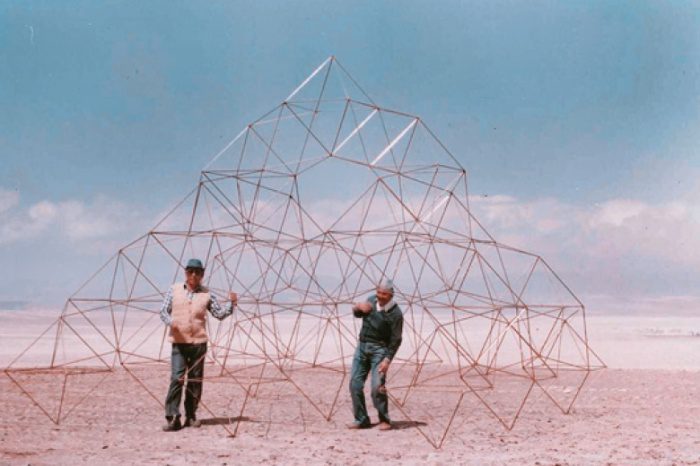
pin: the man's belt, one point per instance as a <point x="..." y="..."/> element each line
<point x="376" y="342"/>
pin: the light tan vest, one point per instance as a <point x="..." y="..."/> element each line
<point x="189" y="318"/>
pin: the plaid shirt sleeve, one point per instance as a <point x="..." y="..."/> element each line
<point x="216" y="310"/>
<point x="167" y="308"/>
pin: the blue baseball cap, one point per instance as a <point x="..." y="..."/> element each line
<point x="194" y="264"/>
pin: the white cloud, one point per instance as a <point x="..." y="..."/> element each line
<point x="99" y="220"/>
<point x="17" y="225"/>
<point x="76" y="221"/>
<point x="508" y="213"/>
<point x="665" y="231"/>
<point x="622" y="247"/>
<point x="616" y="212"/>
<point x="622" y="253"/>
<point x="582" y="237"/>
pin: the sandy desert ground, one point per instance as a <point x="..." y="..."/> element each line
<point x="622" y="417"/>
<point x="644" y="409"/>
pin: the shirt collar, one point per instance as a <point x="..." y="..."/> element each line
<point x="386" y="307"/>
<point x="196" y="290"/>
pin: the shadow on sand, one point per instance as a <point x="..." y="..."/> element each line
<point x="217" y="421"/>
<point x="399" y="425"/>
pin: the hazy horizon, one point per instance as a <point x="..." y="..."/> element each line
<point x="577" y="123"/>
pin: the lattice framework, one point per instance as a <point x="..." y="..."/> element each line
<point x="302" y="214"/>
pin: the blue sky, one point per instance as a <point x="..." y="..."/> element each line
<point x="582" y="115"/>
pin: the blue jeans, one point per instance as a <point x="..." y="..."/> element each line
<point x="185" y="359"/>
<point x="367" y="358"/>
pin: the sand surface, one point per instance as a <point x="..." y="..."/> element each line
<point x="622" y="417"/>
<point x="645" y="409"/>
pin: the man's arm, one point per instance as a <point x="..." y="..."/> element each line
<point x="396" y="331"/>
<point x="166" y="308"/>
<point x="216" y="310"/>
<point x="394" y="342"/>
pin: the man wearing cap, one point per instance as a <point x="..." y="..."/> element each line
<point x="184" y="310"/>
<point x="380" y="338"/>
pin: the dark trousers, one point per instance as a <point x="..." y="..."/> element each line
<point x="186" y="360"/>
<point x="366" y="360"/>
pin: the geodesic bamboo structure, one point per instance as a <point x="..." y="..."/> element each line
<point x="302" y="214"/>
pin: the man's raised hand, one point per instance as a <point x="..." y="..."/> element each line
<point x="363" y="308"/>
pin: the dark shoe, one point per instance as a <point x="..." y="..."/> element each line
<point x="192" y="422"/>
<point x="355" y="425"/>
<point x="384" y="425"/>
<point x="173" y="425"/>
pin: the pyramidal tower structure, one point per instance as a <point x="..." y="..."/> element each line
<point x="302" y="214"/>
